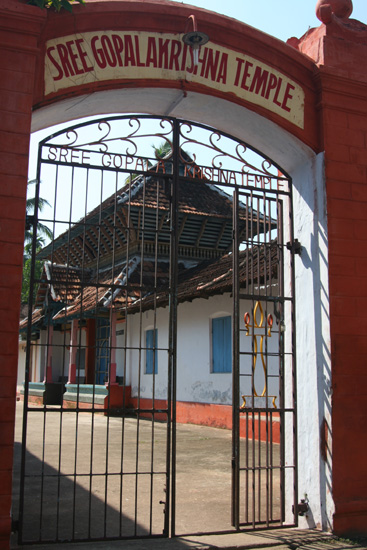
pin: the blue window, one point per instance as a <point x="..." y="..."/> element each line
<point x="222" y="344"/>
<point x="151" y="341"/>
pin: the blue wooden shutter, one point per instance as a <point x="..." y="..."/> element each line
<point x="222" y="344"/>
<point x="151" y="353"/>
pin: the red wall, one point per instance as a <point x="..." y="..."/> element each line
<point x="336" y="121"/>
<point x="343" y="119"/>
<point x="19" y="33"/>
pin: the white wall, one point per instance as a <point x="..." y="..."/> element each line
<point x="313" y="341"/>
<point x="21" y="364"/>
<point x="195" y="380"/>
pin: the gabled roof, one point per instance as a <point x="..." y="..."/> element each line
<point x="205" y="214"/>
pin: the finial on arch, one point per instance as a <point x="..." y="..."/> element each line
<point x="340" y="8"/>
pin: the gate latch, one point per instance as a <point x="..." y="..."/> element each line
<point x="294" y="247"/>
<point x="302" y="507"/>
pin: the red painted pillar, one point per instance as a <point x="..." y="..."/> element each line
<point x="73" y="350"/>
<point x="340" y="48"/>
<point x="19" y="32"/>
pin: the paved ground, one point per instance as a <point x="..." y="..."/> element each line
<point x="83" y="504"/>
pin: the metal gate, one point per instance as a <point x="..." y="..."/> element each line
<point x="150" y="216"/>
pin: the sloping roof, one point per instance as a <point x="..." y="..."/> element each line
<point x="205" y="215"/>
<point x="60" y="283"/>
<point x="144" y="285"/>
<point x="257" y="266"/>
<point x="37" y="316"/>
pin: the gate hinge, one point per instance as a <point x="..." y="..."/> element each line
<point x="295" y="247"/>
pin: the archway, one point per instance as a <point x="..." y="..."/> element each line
<point x="294" y="142"/>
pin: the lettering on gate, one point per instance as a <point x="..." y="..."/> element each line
<point x="136" y="164"/>
<point x="115" y="55"/>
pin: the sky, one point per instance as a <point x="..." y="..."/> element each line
<point x="282" y="19"/>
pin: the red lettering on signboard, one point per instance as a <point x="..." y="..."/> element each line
<point x="275" y="100"/>
<point x="287" y="96"/>
<point x="222" y="73"/>
<point x="55" y="63"/>
<point x="163" y="53"/>
<point x="259" y="80"/>
<point x="73" y="57"/>
<point x="246" y="74"/>
<point x="82" y="55"/>
<point x="137" y="50"/>
<point x="64" y="58"/>
<point x="151" y="53"/>
<point x="98" y="53"/>
<point x="119" y="47"/>
<point x="176" y="48"/>
<point x="271" y="85"/>
<point x="129" y="51"/>
<point x="108" y="51"/>
<point x="212" y="64"/>
<point x="240" y="62"/>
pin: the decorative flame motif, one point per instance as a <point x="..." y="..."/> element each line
<point x="258" y="322"/>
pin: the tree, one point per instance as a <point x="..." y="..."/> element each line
<point x="43" y="233"/>
<point x="162" y="150"/>
<point x="56" y="4"/>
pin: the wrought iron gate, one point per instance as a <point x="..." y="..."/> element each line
<point x="147" y="214"/>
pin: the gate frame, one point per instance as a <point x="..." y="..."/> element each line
<point x="283" y="232"/>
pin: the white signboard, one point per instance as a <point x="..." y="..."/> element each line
<point x="115" y="55"/>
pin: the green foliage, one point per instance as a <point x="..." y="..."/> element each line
<point x="162" y="150"/>
<point x="56" y="4"/>
<point x="26" y="280"/>
<point x="43" y="233"/>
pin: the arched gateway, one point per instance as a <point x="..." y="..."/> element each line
<point x="241" y="87"/>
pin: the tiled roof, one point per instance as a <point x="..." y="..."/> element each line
<point x="143" y="286"/>
<point x="62" y="283"/>
<point x="257" y="266"/>
<point x="205" y="214"/>
<point x="37" y="316"/>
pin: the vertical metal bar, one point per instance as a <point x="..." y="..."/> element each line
<point x="172" y="370"/>
<point x="294" y="358"/>
<point x="259" y="466"/>
<point x="247" y="467"/>
<point x="142" y="258"/>
<point x="235" y="371"/>
<point x="281" y="355"/>
<point x="128" y="237"/>
<point x="28" y="351"/>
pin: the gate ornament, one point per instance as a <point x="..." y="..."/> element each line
<point x="259" y="324"/>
